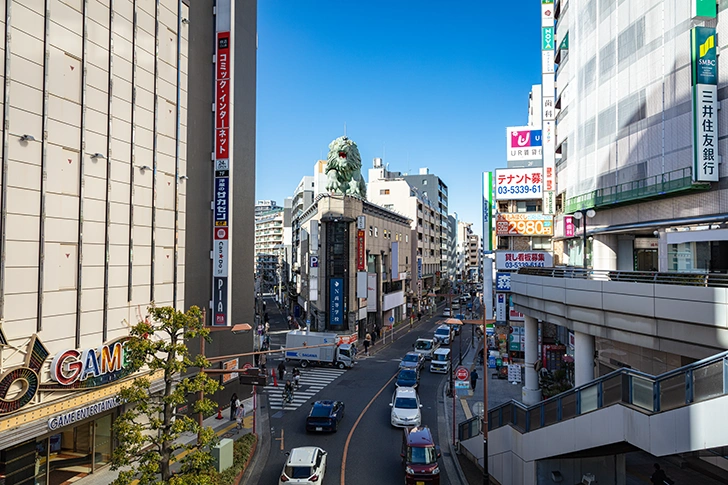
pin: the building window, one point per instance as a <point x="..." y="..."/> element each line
<point x="383" y="191"/>
<point x="541" y="243"/>
<point x="424" y="181"/>
<point x="376" y="232"/>
<point x="406" y="238"/>
<point x="370" y="231"/>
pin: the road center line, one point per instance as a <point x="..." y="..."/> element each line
<point x="356" y="423"/>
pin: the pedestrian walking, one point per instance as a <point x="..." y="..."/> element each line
<point x="262" y="359"/>
<point x="296" y="377"/>
<point x="239" y="415"/>
<point x="233" y="400"/>
<point x="473" y="379"/>
<point x="367" y="343"/>
<point x="289" y="319"/>
<point x="375" y="335"/>
<point x="281" y="370"/>
<point x="660" y="477"/>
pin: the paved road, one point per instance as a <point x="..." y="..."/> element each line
<point x="372" y="455"/>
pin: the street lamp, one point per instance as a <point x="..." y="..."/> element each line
<point x="584" y="214"/>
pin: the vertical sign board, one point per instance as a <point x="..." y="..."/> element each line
<point x="394" y="263"/>
<point x="221" y="203"/>
<point x="336" y="302"/>
<point x="487" y="243"/>
<point x="361" y="256"/>
<point x="548" y="106"/>
<point x="705" y="104"/>
<point x="500" y="309"/>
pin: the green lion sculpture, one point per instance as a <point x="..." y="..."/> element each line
<point x="343" y="169"/>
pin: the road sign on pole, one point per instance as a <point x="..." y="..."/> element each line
<point x="462" y="373"/>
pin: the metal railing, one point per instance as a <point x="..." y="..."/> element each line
<point x="693" y="383"/>
<point x="714" y="280"/>
<point x="470" y="427"/>
<point x="653" y="186"/>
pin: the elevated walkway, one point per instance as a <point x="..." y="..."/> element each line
<point x="679" y="411"/>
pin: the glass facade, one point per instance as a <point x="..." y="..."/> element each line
<point x="61" y="458"/>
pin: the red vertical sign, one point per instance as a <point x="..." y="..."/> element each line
<point x="222" y="96"/>
<point x="360" y="251"/>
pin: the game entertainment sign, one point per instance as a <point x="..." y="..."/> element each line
<point x="65" y="419"/>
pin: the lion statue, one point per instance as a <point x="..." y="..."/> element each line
<point x="343" y="169"/>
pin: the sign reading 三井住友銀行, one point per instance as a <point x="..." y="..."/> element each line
<point x="522" y="259"/>
<point x="705" y="104"/>
<point x="518" y="183"/>
<point x="524" y="224"/>
<point x="502" y="281"/>
<point x="523" y="143"/>
<point x="336" y="302"/>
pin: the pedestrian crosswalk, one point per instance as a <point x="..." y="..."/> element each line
<point x="311" y="382"/>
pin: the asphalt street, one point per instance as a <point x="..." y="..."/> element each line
<point x="369" y="453"/>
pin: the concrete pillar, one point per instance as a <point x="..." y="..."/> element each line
<point x="583" y="358"/>
<point x="531" y="393"/>
<point x="625" y="252"/>
<point x="605" y="252"/>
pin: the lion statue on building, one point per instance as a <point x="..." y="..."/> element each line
<point x="343" y="169"/>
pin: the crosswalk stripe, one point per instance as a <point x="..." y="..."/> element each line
<point x="311" y="381"/>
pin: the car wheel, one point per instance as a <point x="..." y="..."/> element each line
<point x="341" y="365"/>
<point x="304" y="363"/>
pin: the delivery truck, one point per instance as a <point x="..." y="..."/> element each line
<point x="336" y="354"/>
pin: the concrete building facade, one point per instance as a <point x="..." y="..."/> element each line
<point x="355" y="265"/>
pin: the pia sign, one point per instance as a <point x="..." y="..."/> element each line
<point x="523" y="143"/>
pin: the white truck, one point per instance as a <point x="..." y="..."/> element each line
<point x="334" y="354"/>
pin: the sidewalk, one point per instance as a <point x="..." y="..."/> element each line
<point x="223" y="427"/>
<point x="499" y="391"/>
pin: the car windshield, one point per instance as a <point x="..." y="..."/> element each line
<point x="442" y="331"/>
<point x="407" y="374"/>
<point x="405" y="403"/>
<point x="344" y="352"/>
<point x="298" y="471"/>
<point x="440" y="357"/>
<point x="421" y="456"/>
<point x="423" y="345"/>
<point x="320" y="412"/>
<point x="411" y="358"/>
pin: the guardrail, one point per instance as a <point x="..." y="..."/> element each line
<point x="715" y="280"/>
<point x="470" y="427"/>
<point x="696" y="382"/>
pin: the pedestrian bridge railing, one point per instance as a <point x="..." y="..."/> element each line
<point x="693" y="383"/>
<point x="715" y="280"/>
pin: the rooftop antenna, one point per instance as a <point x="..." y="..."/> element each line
<point x="344" y="129"/>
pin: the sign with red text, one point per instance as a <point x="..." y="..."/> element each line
<point x="523" y="259"/>
<point x="518" y="183"/>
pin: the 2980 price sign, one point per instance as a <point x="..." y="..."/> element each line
<point x="521" y="225"/>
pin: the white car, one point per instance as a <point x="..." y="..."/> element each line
<point x="442" y="334"/>
<point x="405" y="407"/>
<point x="305" y="465"/>
<point x="446" y="312"/>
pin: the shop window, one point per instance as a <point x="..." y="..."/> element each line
<point x="541" y="243"/>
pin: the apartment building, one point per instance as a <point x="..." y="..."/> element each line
<point x="398" y="192"/>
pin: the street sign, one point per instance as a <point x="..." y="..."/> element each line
<point x="478" y="408"/>
<point x="391" y="319"/>
<point x="247" y="365"/>
<point x="462" y="373"/>
<point x="252" y="377"/>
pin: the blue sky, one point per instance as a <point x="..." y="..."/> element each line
<point x="419" y="83"/>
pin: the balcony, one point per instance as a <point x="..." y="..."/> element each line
<point x="656" y="186"/>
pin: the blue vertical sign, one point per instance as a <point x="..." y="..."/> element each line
<point x="221" y="201"/>
<point x="336" y="302"/>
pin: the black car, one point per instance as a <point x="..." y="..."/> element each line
<point x="325" y="416"/>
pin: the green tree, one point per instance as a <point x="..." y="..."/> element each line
<point x="148" y="432"/>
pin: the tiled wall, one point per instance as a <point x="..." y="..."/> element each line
<point x="58" y="175"/>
